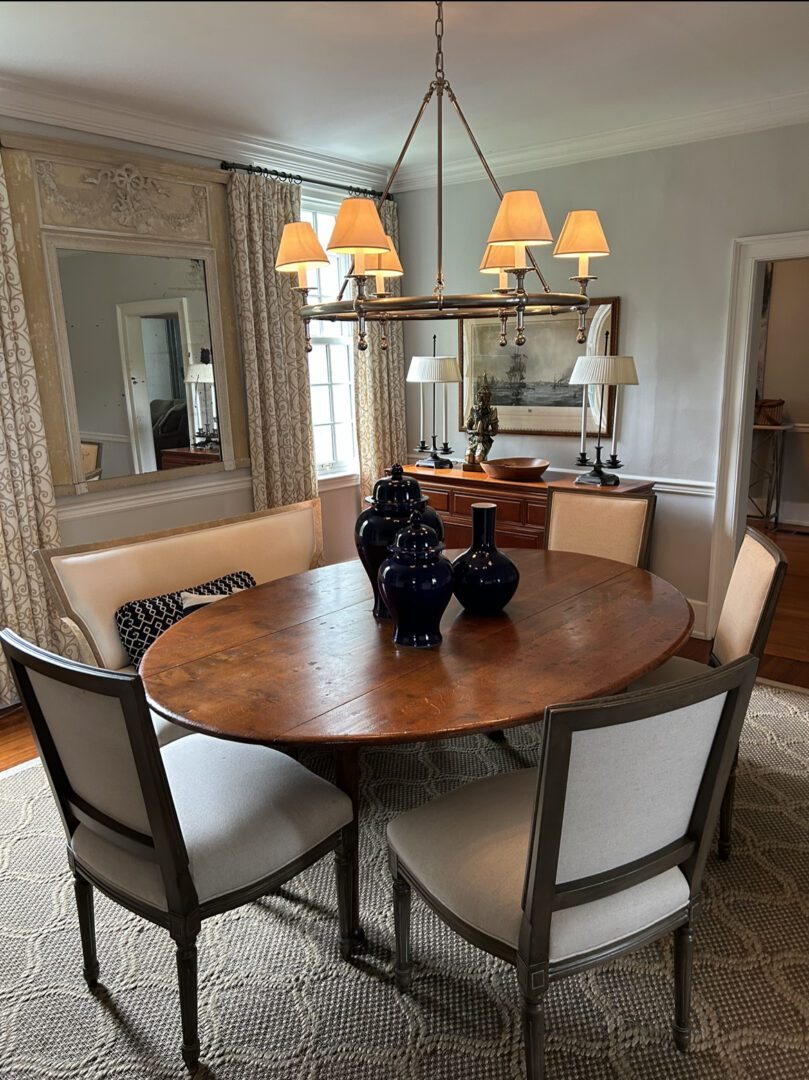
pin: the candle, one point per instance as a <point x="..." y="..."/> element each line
<point x="584" y="265"/>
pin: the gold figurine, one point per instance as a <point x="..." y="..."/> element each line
<point x="482" y="425"/>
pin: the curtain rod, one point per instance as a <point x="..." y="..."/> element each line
<point x="294" y="178"/>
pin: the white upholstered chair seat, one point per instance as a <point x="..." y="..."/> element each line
<point x="245" y="812"/>
<point x="673" y="670"/>
<point x="471" y="847"/>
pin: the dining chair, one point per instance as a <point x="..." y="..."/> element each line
<point x="175" y="835"/>
<point x="598" y="523"/>
<point x="595" y="853"/>
<point x="91" y="450"/>
<point x="744" y="626"/>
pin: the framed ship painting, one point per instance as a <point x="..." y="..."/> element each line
<point x="530" y="383"/>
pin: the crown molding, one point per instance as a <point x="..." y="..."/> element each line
<point x="24" y="102"/>
<point x="736" y="120"/>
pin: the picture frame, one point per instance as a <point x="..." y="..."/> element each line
<point x="529" y="383"/>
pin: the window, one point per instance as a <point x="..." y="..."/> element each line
<point x="331" y="361"/>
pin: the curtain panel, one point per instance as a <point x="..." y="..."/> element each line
<point x="276" y="367"/>
<point x="27" y="500"/>
<point x="379" y="385"/>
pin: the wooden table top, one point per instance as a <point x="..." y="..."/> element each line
<point x="302" y="659"/>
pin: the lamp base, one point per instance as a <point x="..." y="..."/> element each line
<point x="598" y="478"/>
<point x="433" y="462"/>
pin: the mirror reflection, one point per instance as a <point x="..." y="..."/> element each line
<point x="140" y="353"/>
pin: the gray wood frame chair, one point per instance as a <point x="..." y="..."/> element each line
<point x="177" y="835"/>
<point x="744" y="626"/>
<point x="596" y="853"/>
<point x="607" y="525"/>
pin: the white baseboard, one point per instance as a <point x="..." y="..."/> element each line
<point x="700" y="608"/>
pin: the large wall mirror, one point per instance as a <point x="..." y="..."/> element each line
<point x="141" y="358"/>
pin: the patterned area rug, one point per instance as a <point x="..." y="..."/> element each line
<point x="277" y="1003"/>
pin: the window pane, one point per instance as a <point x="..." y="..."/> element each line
<point x="324" y="453"/>
<point x="325" y="227"/>
<point x="321" y="405"/>
<point x="330" y="280"/>
<point x="307" y="215"/>
<point x="344" y="438"/>
<point x="341" y="395"/>
<point x="318" y="365"/>
<point x="340" y="371"/>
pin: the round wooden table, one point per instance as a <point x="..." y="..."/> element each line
<point x="302" y="660"/>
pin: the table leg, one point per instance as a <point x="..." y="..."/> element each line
<point x="347" y="760"/>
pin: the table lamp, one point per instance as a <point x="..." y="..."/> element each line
<point x="603" y="371"/>
<point x="434" y="369"/>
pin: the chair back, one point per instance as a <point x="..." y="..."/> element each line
<point x="96" y="740"/>
<point x="91" y="581"/>
<point x="596" y="523"/>
<point x="630" y="786"/>
<point x="749" y="605"/>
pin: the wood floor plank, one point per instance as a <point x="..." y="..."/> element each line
<point x="16" y="742"/>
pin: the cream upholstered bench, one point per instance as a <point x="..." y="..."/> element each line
<point x="91" y="581"/>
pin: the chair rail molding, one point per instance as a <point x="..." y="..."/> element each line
<point x="736" y="426"/>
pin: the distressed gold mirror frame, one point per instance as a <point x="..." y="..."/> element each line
<point x="64" y="195"/>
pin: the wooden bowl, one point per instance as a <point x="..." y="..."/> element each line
<point x="515" y="468"/>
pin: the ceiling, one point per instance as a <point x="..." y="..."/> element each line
<point x="536" y="80"/>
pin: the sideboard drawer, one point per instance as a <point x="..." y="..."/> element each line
<point x="536" y="513"/>
<point x="439" y="499"/>
<point x="507" y="509"/>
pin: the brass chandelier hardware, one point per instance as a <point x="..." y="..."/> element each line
<point x="520" y="224"/>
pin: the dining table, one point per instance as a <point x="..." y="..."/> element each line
<point x="302" y="661"/>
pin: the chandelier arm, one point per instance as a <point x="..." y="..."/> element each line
<point x="425" y="102"/>
<point x="489" y="173"/>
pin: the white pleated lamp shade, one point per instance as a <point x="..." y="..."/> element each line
<point x="199" y="373"/>
<point x="604" y="371"/>
<point x="434" y="369"/>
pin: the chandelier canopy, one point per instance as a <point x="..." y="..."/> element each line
<point x="519" y="225"/>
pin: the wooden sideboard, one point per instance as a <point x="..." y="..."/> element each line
<point x="520" y="506"/>
<point x="179" y="457"/>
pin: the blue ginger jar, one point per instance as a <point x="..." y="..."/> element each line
<point x="416" y="584"/>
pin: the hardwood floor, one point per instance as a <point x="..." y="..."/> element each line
<point x="16" y="742"/>
<point x="786" y="658"/>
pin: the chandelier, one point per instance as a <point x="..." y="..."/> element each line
<point x="519" y="225"/>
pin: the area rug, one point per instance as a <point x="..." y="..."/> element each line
<point x="277" y="1003"/>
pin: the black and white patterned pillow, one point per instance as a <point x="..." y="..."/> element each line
<point x="140" y="622"/>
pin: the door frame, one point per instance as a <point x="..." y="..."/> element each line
<point x="131" y="345"/>
<point x="736" y="425"/>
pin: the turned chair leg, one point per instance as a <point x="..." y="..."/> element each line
<point x="344" y="871"/>
<point x="187" y="977"/>
<point x="533" y="1028"/>
<point x="401" y="917"/>
<point x="683" y="965"/>
<point x="87" y="928"/>
<point x="726" y="813"/>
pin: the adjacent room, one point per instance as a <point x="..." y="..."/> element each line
<point x="404" y="540"/>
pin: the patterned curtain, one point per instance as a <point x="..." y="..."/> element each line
<point x="27" y="501"/>
<point x="276" y="368"/>
<point x="379" y="385"/>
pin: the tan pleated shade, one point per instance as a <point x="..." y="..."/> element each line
<point x="581" y="234"/>
<point x="497" y="257"/>
<point x="387" y="265"/>
<point x="357" y="229"/>
<point x="520" y="220"/>
<point x="299" y="247"/>
<point x="434" y="369"/>
<point x="604" y="371"/>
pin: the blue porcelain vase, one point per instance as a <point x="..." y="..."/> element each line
<point x="485" y="578"/>
<point x="416" y="584"/>
<point x="395" y="498"/>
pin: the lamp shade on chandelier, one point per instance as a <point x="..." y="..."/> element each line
<point x="299" y="251"/>
<point x="519" y="225"/>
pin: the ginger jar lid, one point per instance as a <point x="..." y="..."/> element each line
<point x="397" y="493"/>
<point x="416" y="539"/>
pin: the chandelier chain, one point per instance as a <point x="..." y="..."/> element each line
<point x="439" y="41"/>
